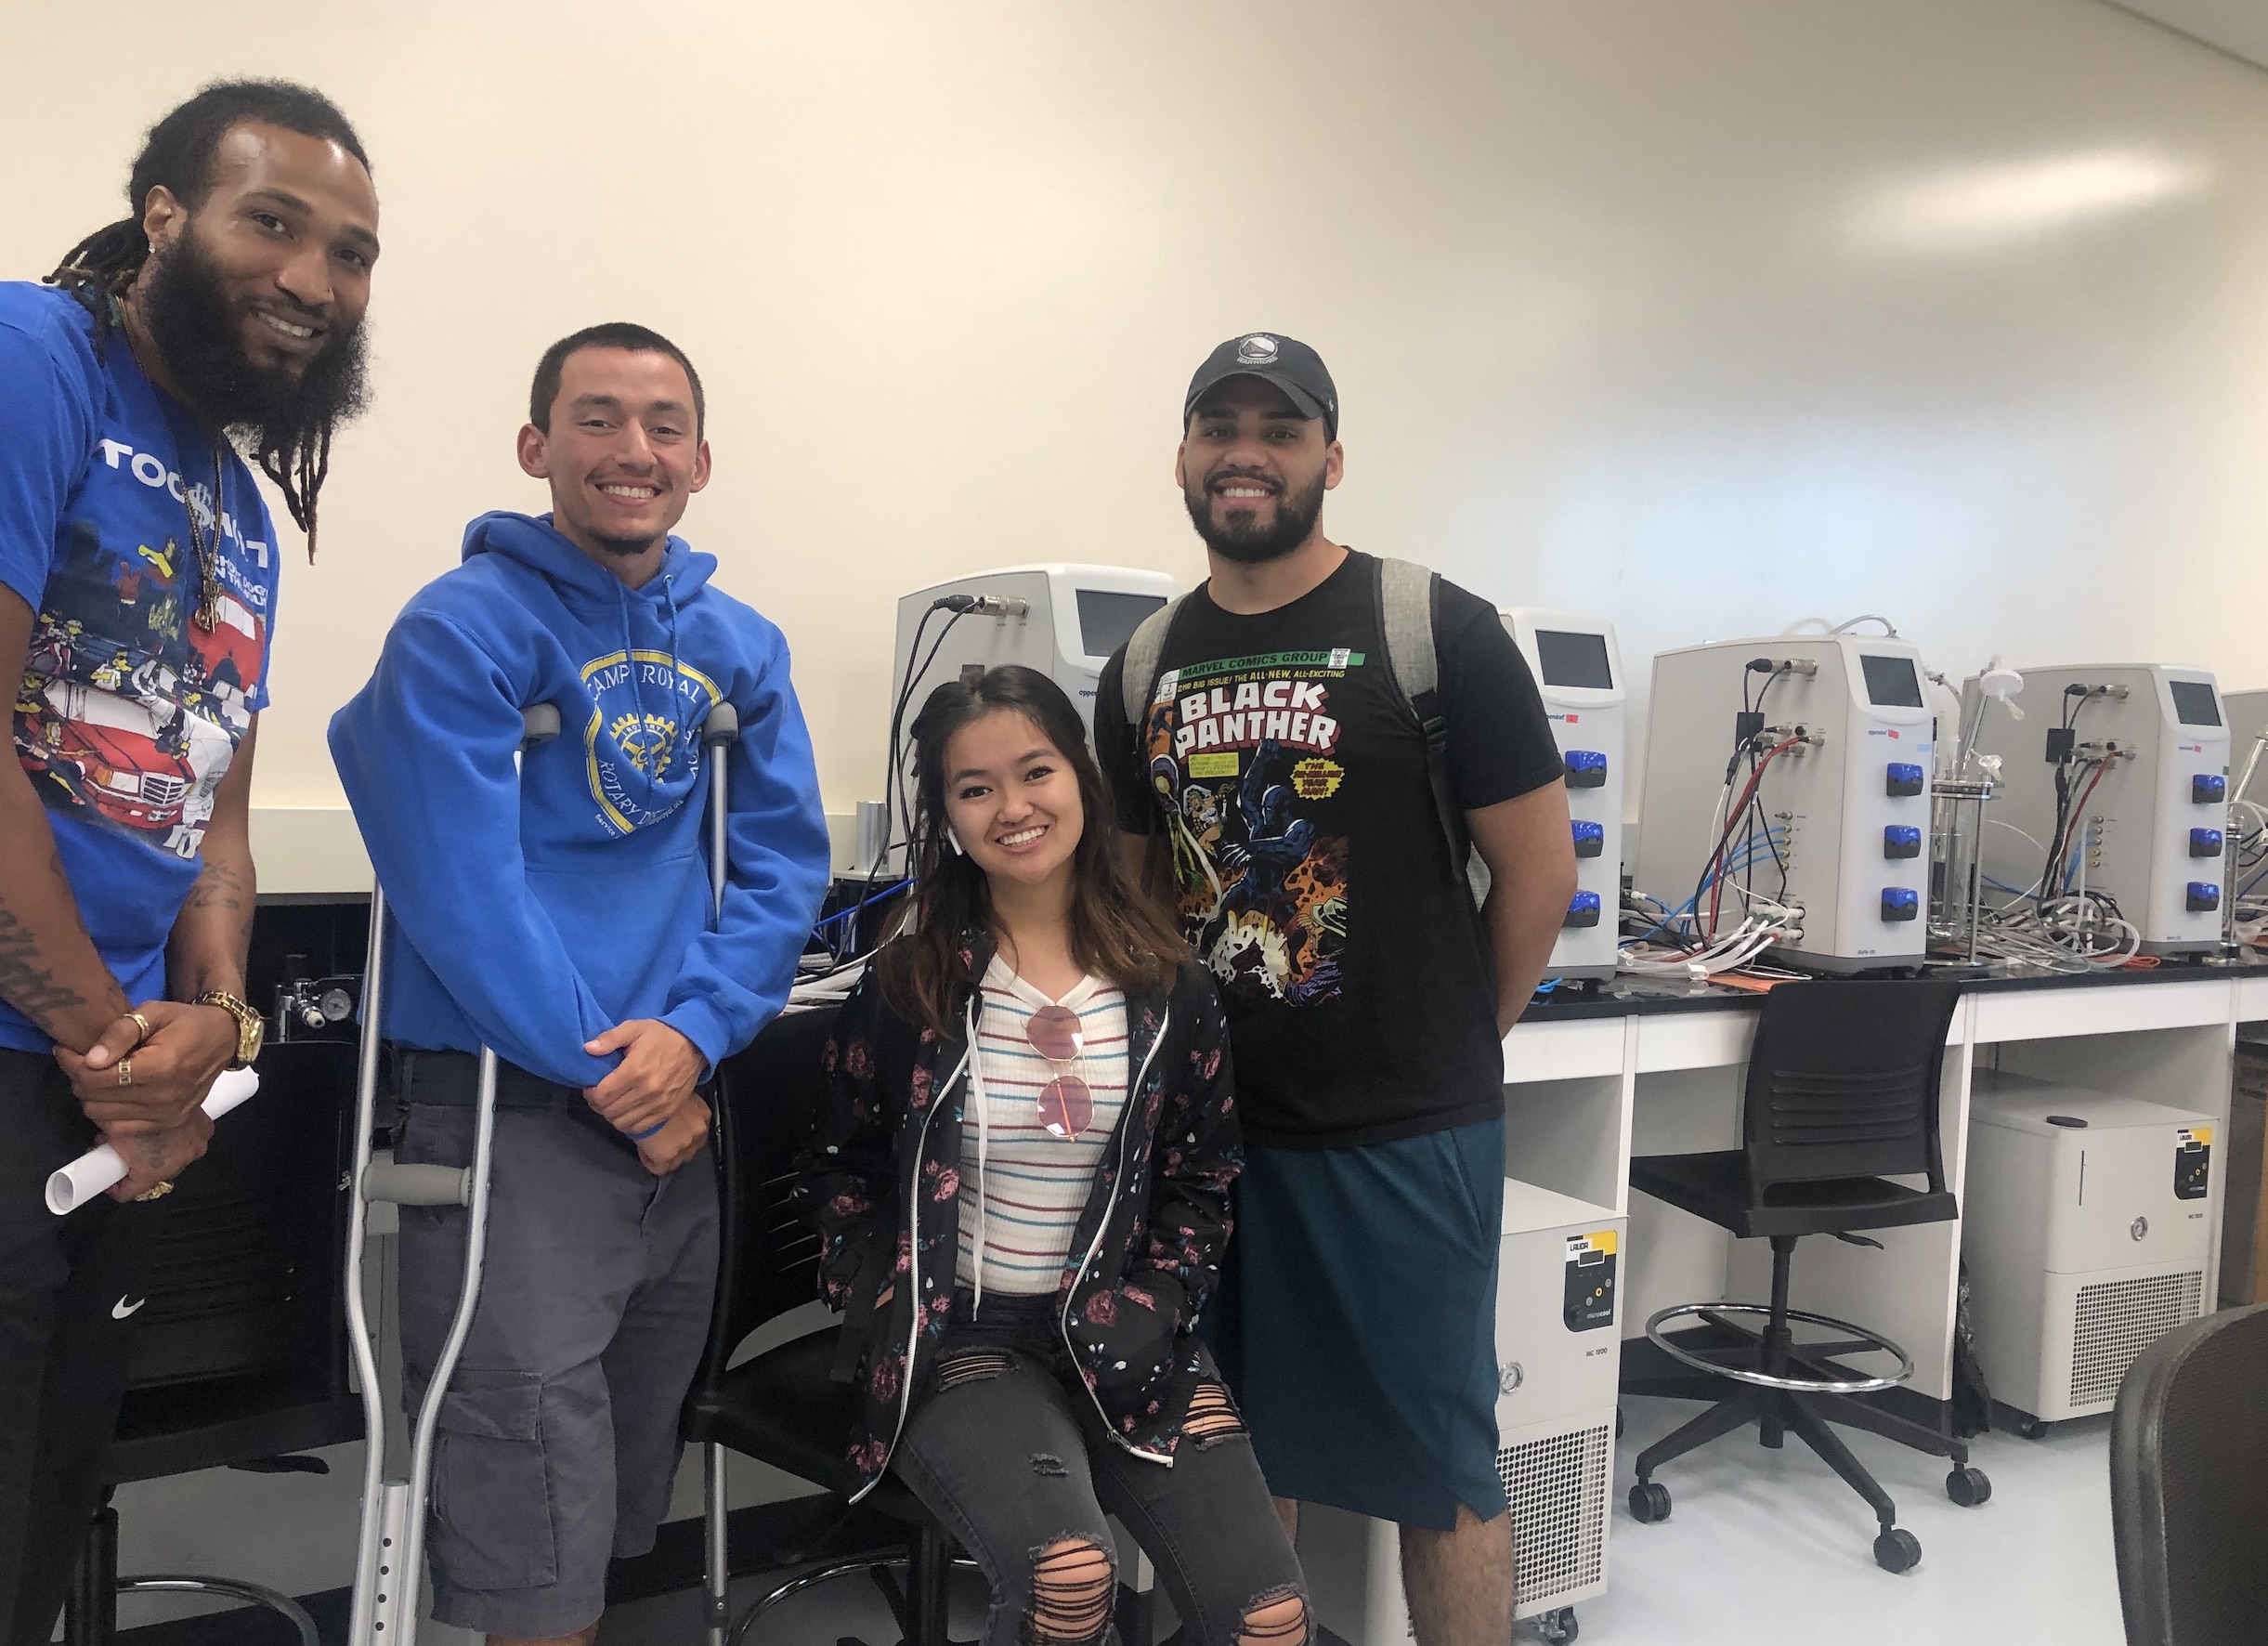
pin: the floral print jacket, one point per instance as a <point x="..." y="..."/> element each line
<point x="881" y="1182"/>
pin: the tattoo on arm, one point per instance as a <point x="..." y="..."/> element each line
<point x="33" y="988"/>
<point x="220" y="891"/>
<point x="30" y="987"/>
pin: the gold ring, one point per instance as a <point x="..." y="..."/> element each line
<point x="126" y="1071"/>
<point x="142" y="1024"/>
<point x="158" y="1193"/>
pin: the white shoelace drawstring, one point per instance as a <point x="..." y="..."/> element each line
<point x="983" y="1133"/>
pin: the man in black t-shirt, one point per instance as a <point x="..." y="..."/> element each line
<point x="1367" y="998"/>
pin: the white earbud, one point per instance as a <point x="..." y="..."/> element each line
<point x="953" y="840"/>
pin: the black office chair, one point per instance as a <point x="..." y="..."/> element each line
<point x="1842" y="1096"/>
<point x="2189" y="1484"/>
<point x="239" y="1357"/>
<point x="784" y="1407"/>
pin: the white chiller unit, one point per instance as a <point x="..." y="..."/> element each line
<point x="2147" y="825"/>
<point x="1848" y="811"/>
<point x="2085" y="1225"/>
<point x="1579" y="672"/>
<point x="1559" y="1353"/>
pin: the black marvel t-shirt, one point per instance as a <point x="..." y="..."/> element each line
<point x="1315" y="884"/>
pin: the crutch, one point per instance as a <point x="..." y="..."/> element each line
<point x="389" y="1565"/>
<point x="719" y="732"/>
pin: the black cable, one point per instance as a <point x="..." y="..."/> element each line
<point x="1764" y="822"/>
<point x="894" y="782"/>
<point x="1745" y="744"/>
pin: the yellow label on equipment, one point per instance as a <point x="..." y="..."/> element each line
<point x="1213" y="765"/>
<point x="1601" y="1241"/>
<point x="2196" y="1134"/>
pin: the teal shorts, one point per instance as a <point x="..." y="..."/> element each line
<point x="1357" y="1324"/>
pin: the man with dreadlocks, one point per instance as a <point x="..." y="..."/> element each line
<point x="137" y="584"/>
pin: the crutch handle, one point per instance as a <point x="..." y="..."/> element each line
<point x="722" y="726"/>
<point x="417" y="1185"/>
<point x="538" y="724"/>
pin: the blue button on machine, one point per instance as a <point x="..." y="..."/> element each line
<point x="1587" y="768"/>
<point x="1901" y="840"/>
<point x="2208" y="789"/>
<point x="1584" y="910"/>
<point x="1904" y="779"/>
<point x="2203" y="896"/>
<point x="1902" y="903"/>
<point x="2204" y="842"/>
<point x="1590" y="839"/>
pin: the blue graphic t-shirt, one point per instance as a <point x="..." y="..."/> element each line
<point x="142" y="677"/>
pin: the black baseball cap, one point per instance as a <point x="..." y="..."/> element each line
<point x="1288" y="363"/>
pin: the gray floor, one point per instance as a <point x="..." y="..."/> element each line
<point x="1764" y="1548"/>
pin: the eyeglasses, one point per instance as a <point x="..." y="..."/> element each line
<point x="1066" y="1106"/>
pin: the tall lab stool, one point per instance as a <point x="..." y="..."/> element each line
<point x="1842" y="1096"/>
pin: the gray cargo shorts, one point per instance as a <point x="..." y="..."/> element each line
<point x="558" y="1440"/>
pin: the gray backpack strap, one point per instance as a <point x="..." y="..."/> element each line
<point x="1408" y="599"/>
<point x="1405" y="597"/>
<point x="1145" y="650"/>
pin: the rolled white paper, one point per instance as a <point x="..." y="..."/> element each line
<point x="96" y="1169"/>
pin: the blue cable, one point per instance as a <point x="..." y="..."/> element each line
<point x="1755" y="849"/>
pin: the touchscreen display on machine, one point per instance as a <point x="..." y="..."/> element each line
<point x="2194" y="703"/>
<point x="1108" y="618"/>
<point x="1891" y="682"/>
<point x="1569" y="657"/>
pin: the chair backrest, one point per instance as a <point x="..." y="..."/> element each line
<point x="2189" y="1484"/>
<point x="240" y="1350"/>
<point x="768" y="1259"/>
<point x="1843" y="1081"/>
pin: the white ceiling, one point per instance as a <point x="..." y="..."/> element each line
<point x="2237" y="27"/>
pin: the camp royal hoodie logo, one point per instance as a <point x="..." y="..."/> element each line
<point x="641" y="745"/>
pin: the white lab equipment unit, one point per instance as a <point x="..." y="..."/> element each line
<point x="1063" y="620"/>
<point x="2144" y="755"/>
<point x="1559" y="1353"/>
<point x="2085" y="1229"/>
<point x="1579" y="671"/>
<point x="1841" y="803"/>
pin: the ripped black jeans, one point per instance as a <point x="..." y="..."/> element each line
<point x="1009" y="1452"/>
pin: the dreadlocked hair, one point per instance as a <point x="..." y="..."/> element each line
<point x="177" y="156"/>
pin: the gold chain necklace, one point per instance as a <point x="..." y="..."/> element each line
<point x="205" y="538"/>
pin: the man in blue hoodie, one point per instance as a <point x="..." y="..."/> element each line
<point x="561" y="914"/>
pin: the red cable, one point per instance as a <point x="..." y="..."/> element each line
<point x="1739" y="810"/>
<point x="2078" y="822"/>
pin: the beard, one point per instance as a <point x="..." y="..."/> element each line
<point x="267" y="409"/>
<point x="1243" y="539"/>
<point x="624" y="548"/>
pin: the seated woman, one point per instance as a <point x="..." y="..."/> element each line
<point x="1021" y="1178"/>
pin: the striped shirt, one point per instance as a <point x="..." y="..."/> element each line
<point x="1033" y="1185"/>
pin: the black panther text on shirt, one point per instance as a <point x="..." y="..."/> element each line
<point x="1314" y="881"/>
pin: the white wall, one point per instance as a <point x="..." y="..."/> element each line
<point x="1715" y="317"/>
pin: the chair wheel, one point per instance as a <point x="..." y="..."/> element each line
<point x="1968" y="1487"/>
<point x="1649" y="1501"/>
<point x="1898" y="1550"/>
<point x="1558" y="1627"/>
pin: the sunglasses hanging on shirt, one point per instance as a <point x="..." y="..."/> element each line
<point x="1066" y="1104"/>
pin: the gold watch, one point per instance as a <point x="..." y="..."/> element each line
<point x="250" y="1027"/>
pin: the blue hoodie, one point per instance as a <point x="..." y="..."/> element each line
<point x="533" y="912"/>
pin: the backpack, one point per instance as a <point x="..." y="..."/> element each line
<point x="1408" y="599"/>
